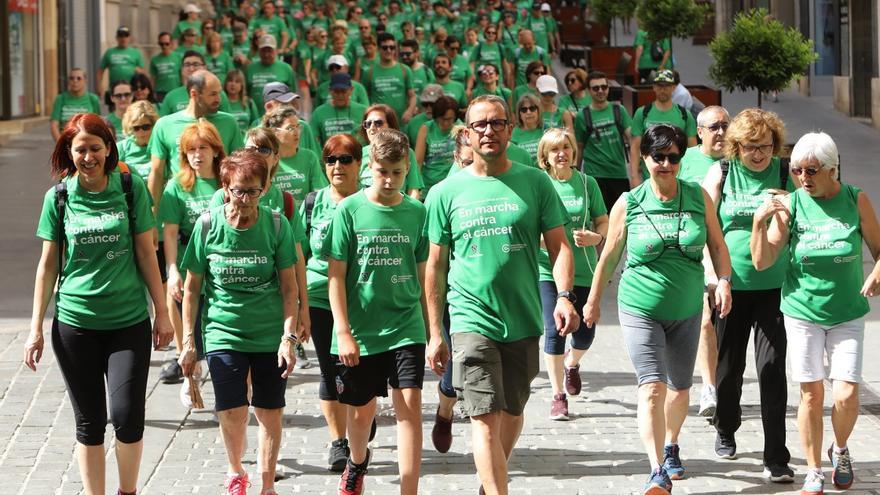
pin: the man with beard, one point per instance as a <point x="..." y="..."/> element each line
<point x="178" y="98"/>
<point x="442" y="77"/>
<point x="391" y="82"/>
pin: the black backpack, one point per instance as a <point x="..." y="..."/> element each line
<point x="647" y="109"/>
<point x="618" y="122"/>
<point x="61" y="200"/>
<point x="783" y="172"/>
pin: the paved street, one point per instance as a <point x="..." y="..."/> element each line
<point x="597" y="452"/>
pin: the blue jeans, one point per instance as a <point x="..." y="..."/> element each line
<point x="582" y="338"/>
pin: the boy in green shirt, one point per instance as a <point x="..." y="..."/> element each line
<point x="377" y="250"/>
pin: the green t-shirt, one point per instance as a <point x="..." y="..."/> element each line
<point x="520" y="90"/>
<point x="178" y="99"/>
<point x="646" y="61"/>
<point x="694" y="165"/>
<point x="414" y="179"/>
<point x="259" y="75"/>
<point x="603" y="148"/>
<point x="182" y="26"/>
<point x="524" y="58"/>
<point x="239" y="49"/>
<point x="66" y="106"/>
<point x="117" y="125"/>
<point x="242" y="114"/>
<point x="521" y="156"/>
<point x="165" y="70"/>
<point x="412" y="128"/>
<point x="244" y="311"/>
<point x="181" y="50"/>
<point x="538" y="26"/>
<point x="824" y="276"/>
<point x="274" y="26"/>
<point x="183" y="208"/>
<point x="300" y="174"/>
<point x="390" y="86"/>
<point x="456" y="91"/>
<point x="101" y="287"/>
<point x="122" y="63"/>
<point x="672" y="116"/>
<point x="528" y="140"/>
<point x="382" y="246"/>
<point x="461" y="70"/>
<point x="220" y="65"/>
<point x="439" y="147"/>
<point x="493" y="227"/>
<point x="165" y="139"/>
<point x="328" y="120"/>
<point x="421" y="78"/>
<point x="485" y="53"/>
<point x="664" y="247"/>
<point x="582" y="199"/>
<point x="744" y="191"/>
<point x="136" y="157"/>
<point x="500" y="91"/>
<point x="575" y="105"/>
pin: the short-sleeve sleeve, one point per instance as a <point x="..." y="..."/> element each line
<point x="553" y="213"/>
<point x="143" y="204"/>
<point x="96" y="103"/>
<point x="691" y="125"/>
<point x="625" y="118"/>
<point x="105" y="60"/>
<point x="157" y="144"/>
<point x="195" y="258"/>
<point x="637" y="128"/>
<point x="597" y="203"/>
<point x="317" y="179"/>
<point x="169" y="206"/>
<point x="439" y="223"/>
<point x="340" y="238"/>
<point x="421" y="250"/>
<point x="285" y="247"/>
<point x="47" y="228"/>
<point x="414" y="179"/>
<point x="56" y="108"/>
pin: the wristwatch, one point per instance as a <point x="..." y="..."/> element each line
<point x="572" y="298"/>
<point x="726" y="278"/>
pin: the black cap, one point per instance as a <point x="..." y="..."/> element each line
<point x="123" y="32"/>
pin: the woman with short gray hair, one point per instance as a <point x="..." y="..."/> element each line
<point x="819" y="230"/>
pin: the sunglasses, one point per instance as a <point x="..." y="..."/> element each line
<point x="263" y="150"/>
<point x="374" y="123"/>
<point x="193" y="65"/>
<point x="343" y="159"/>
<point x="75" y="78"/>
<point x="491" y="32"/>
<point x="808" y="171"/>
<point x="145" y="127"/>
<point x="718" y="126"/>
<point x="389" y="48"/>
<point x="164" y="43"/>
<point x="659" y="157"/>
<point x="571" y="80"/>
<point x="538" y="73"/>
<point x="122" y="96"/>
<point x="599" y="87"/>
<point x="406" y="54"/>
<point x="528" y="109"/>
<point x="333" y="67"/>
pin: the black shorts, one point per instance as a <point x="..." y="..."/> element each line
<point x="160" y="257"/>
<point x="229" y="371"/>
<point x="403" y="367"/>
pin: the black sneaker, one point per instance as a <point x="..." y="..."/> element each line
<point x="339" y="453"/>
<point x="171" y="373"/>
<point x="725" y="446"/>
<point x="372" y="430"/>
<point x="779" y="473"/>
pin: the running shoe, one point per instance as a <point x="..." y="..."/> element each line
<point x="842" y="475"/>
<point x="338" y="456"/>
<point x="237" y="484"/>
<point x="185" y="397"/>
<point x="814" y="483"/>
<point x="302" y="361"/>
<point x="658" y="483"/>
<point x="672" y="462"/>
<point x="352" y="481"/>
<point x="708" y="401"/>
<point x="559" y="408"/>
<point x="441" y="434"/>
<point x="573" y="383"/>
<point x="725" y="446"/>
<point x="171" y="373"/>
<point x="779" y="473"/>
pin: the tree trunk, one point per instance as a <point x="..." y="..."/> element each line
<point x="759" y="98"/>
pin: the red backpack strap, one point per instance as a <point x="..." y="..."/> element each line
<point x="288" y="204"/>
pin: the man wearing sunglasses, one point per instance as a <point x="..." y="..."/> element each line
<point x="410" y="55"/>
<point x="165" y="67"/>
<point x="389" y="81"/>
<point x="487" y="217"/>
<point x="340" y="115"/>
<point x="73" y="101"/>
<point x="602" y="130"/>
<point x="121" y="61"/>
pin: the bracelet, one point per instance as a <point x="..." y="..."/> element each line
<point x="289" y="337"/>
<point x="726" y="278"/>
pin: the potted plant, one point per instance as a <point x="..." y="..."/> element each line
<point x="663" y="19"/>
<point x="606" y="11"/>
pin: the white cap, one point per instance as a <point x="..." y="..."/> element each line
<point x="547" y="84"/>
<point x="545" y="7"/>
<point x="338" y="60"/>
<point x="267" y="41"/>
<point x="192" y="8"/>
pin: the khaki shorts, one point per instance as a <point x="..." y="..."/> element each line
<point x="490" y="376"/>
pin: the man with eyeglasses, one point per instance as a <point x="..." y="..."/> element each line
<point x="411" y="56"/>
<point x="461" y="70"/>
<point x="75" y="100"/>
<point x="389" y="81"/>
<point x="340" y="115"/>
<point x="491" y="217"/>
<point x="121" y="61"/>
<point x="660" y="111"/>
<point x="178" y="98"/>
<point x="442" y="73"/>
<point x="526" y="53"/>
<point x="338" y="64"/>
<point x="268" y="69"/>
<point x="602" y="130"/>
<point x="165" y="67"/>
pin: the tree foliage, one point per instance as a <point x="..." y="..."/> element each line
<point x="759" y="53"/>
<point x="608" y="10"/>
<point x="663" y="19"/>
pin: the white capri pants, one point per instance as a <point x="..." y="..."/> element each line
<point x="809" y="343"/>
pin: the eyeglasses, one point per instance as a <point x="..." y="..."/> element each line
<point x="251" y="193"/>
<point x="753" y="148"/>
<point x="343" y="159"/>
<point x="491" y="32"/>
<point x="388" y="48"/>
<point x="75" y="78"/>
<point x="538" y="73"/>
<point x="263" y="150"/>
<point x="145" y="127"/>
<point x="164" y="43"/>
<point x="455" y="47"/>
<point x="659" y="157"/>
<point x="497" y="125"/>
<point x="334" y="67"/>
<point x="808" y="171"/>
<point x="374" y="123"/>
<point x="406" y="54"/>
<point x="528" y="109"/>
<point x="571" y="80"/>
<point x="121" y="96"/>
<point x="193" y="65"/>
<point x="717" y="126"/>
<point x="289" y="128"/>
<point x="599" y="87"/>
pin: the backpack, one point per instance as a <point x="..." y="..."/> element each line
<point x="657" y="51"/>
<point x="647" y="108"/>
<point x="309" y="208"/>
<point x="61" y="200"/>
<point x="783" y="172"/>
<point x="618" y="122"/>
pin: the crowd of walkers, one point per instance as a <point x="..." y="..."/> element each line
<point x="401" y="185"/>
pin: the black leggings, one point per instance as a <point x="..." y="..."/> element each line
<point x="322" y="337"/>
<point x="86" y="357"/>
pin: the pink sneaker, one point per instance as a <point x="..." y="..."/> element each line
<point x="559" y="408"/>
<point x="237" y="484"/>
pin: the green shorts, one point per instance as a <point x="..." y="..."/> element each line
<point x="491" y="376"/>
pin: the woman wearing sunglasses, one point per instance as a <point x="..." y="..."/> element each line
<point x="529" y="126"/>
<point x="816" y="233"/>
<point x="753" y="174"/>
<point x="137" y="124"/>
<point x="118" y="100"/>
<point x="664" y="225"/>
<point x="376" y="118"/>
<point x="578" y="97"/>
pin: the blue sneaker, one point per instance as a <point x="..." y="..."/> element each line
<point x="672" y="462"/>
<point x="842" y="476"/>
<point x="814" y="483"/>
<point x="658" y="483"/>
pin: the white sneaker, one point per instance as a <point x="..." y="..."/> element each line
<point x="708" y="401"/>
<point x="302" y="361"/>
<point x="185" y="398"/>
